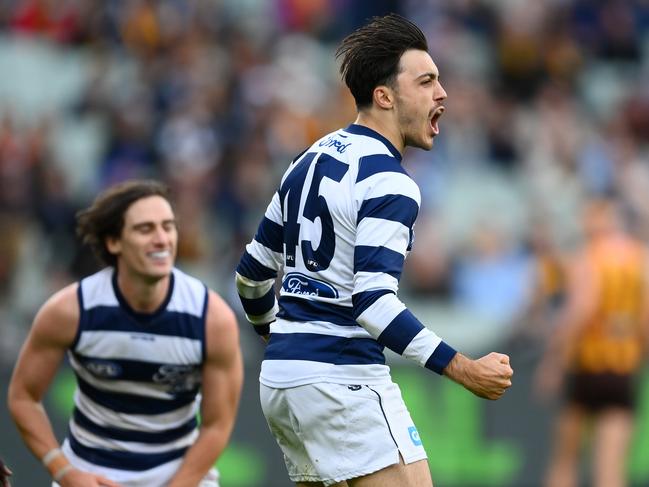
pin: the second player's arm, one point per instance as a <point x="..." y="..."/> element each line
<point x="52" y="332"/>
<point x="221" y="389"/>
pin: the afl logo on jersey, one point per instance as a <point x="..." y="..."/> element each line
<point x="104" y="369"/>
<point x="296" y="283"/>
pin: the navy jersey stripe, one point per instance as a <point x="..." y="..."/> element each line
<point x="324" y="348"/>
<point x="370" y="165"/>
<point x="132" y="404"/>
<point x="440" y="358"/>
<point x="271" y="235"/>
<point x="121" y="434"/>
<point x="393" y="207"/>
<point x="400" y="332"/>
<point x="138" y="370"/>
<point x="252" y="269"/>
<point x="259" y="306"/>
<point x="82" y="318"/>
<point x="111" y="318"/>
<point x="364" y="300"/>
<point x="123" y="460"/>
<point x="378" y="259"/>
<point x="302" y="309"/>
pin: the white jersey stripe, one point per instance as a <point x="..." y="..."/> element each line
<point x="374" y="232"/>
<point x="143" y="347"/>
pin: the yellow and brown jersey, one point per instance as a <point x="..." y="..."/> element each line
<point x="612" y="338"/>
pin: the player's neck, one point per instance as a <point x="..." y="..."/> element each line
<point x="382" y="123"/>
<point x="142" y="295"/>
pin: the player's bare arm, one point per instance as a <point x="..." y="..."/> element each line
<point x="221" y="389"/>
<point x="53" y="331"/>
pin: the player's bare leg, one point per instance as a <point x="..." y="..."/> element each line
<point x="563" y="470"/>
<point x="415" y="474"/>
<point x="614" y="428"/>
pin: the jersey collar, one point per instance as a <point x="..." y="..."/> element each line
<point x="363" y="130"/>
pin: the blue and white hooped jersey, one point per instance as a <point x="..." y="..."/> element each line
<point x="139" y="375"/>
<point x="339" y="228"/>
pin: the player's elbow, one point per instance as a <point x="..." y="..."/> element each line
<point x="18" y="400"/>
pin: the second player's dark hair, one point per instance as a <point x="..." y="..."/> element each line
<point x="371" y="54"/>
<point x="105" y="217"/>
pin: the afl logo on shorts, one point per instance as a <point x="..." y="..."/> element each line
<point x="414" y="436"/>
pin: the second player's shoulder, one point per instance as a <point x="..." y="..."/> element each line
<point x="63" y="303"/>
<point x="58" y="317"/>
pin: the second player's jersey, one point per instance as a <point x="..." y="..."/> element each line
<point x="138" y="375"/>
<point x="339" y="228"/>
<point x="612" y="339"/>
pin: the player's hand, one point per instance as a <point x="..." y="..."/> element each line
<point x="488" y="377"/>
<point x="79" y="478"/>
<point x="5" y="473"/>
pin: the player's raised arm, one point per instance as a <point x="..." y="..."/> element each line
<point x="384" y="236"/>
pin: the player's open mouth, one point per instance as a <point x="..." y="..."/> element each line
<point x="433" y="121"/>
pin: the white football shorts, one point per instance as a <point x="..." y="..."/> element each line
<point x="334" y="432"/>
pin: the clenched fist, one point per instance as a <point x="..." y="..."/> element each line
<point x="488" y="377"/>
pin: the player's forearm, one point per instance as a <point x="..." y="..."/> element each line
<point x="33" y="425"/>
<point x="460" y="369"/>
<point x="201" y="456"/>
<point x="389" y="321"/>
<point x="258" y="301"/>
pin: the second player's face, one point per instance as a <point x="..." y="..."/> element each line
<point x="147" y="246"/>
<point x="419" y="98"/>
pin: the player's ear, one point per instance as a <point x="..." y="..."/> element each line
<point x="384" y="97"/>
<point x="114" y="245"/>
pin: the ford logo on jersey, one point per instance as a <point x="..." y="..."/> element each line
<point x="296" y="283"/>
<point x="414" y="436"/>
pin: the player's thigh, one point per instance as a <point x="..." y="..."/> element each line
<point x="416" y="474"/>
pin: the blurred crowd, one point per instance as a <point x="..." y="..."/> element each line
<point x="548" y="105"/>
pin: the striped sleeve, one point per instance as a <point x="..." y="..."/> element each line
<point x="258" y="268"/>
<point x="388" y="202"/>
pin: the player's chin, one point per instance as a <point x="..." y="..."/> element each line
<point x="426" y="142"/>
<point x="159" y="271"/>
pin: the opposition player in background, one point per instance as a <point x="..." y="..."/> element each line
<point x="596" y="348"/>
<point x="339" y="229"/>
<point x="150" y="346"/>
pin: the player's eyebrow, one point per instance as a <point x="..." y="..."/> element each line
<point x="145" y="224"/>
<point x="430" y="75"/>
